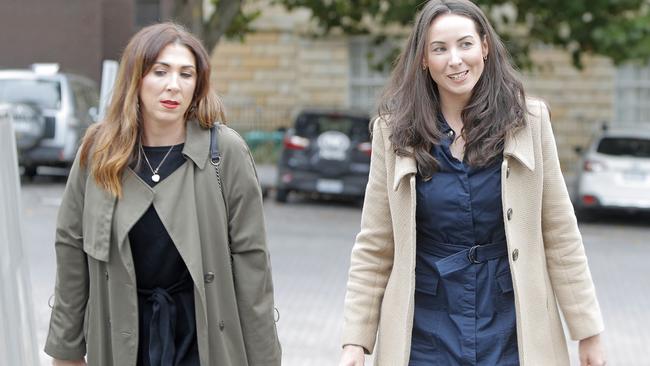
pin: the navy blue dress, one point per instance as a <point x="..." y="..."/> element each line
<point x="464" y="304"/>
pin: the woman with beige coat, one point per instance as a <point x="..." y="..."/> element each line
<point x="468" y="239"/>
<point x="160" y="244"/>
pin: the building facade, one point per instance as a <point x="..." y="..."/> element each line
<point x="282" y="68"/>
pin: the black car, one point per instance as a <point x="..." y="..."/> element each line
<point x="327" y="153"/>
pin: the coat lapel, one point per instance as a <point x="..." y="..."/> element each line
<point x="137" y="196"/>
<point x="177" y="211"/>
<point x="520" y="146"/>
<point x="97" y="220"/>
<point x="404" y="165"/>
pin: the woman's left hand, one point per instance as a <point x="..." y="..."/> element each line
<point x="592" y="352"/>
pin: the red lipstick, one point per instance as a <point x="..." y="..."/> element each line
<point x="170" y="104"/>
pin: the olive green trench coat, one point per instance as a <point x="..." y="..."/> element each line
<point x="95" y="309"/>
<point x="546" y="256"/>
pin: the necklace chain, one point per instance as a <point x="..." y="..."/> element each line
<point x="155" y="171"/>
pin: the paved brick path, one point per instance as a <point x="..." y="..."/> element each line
<point x="310" y="244"/>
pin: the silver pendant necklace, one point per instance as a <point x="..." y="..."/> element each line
<point x="155" y="176"/>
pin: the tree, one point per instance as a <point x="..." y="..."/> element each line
<point x="228" y="18"/>
<point x="618" y="29"/>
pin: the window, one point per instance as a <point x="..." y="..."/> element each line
<point x="44" y="93"/>
<point x="636" y="147"/>
<point x="369" y="70"/>
<point x="632" y="101"/>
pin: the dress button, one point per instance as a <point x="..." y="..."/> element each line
<point x="515" y="255"/>
<point x="507" y="172"/>
<point x="509" y="214"/>
<point x="221" y="325"/>
<point x="208" y="277"/>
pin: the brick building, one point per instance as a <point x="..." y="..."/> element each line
<point x="282" y="68"/>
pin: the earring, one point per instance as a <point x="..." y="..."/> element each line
<point x="424" y="67"/>
<point x="485" y="58"/>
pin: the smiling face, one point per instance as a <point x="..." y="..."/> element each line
<point x="454" y="56"/>
<point x="167" y="88"/>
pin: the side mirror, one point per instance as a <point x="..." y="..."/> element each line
<point x="93" y="112"/>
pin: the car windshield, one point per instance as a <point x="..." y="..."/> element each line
<point x="624" y="146"/>
<point x="44" y="93"/>
<point x="312" y="125"/>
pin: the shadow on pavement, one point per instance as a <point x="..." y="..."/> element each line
<point x="625" y="218"/>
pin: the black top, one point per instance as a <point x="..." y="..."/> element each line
<point x="165" y="288"/>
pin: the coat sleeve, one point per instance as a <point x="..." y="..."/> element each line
<point x="66" y="339"/>
<point x="372" y="255"/>
<point x="565" y="253"/>
<point x="251" y="264"/>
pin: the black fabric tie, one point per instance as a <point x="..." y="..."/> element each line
<point x="162" y="329"/>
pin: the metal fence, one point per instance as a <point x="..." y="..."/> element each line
<point x="17" y="339"/>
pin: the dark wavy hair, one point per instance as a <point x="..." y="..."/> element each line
<point x="410" y="103"/>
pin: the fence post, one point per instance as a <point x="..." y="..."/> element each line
<point x="17" y="337"/>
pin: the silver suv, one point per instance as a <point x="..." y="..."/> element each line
<point x="52" y="110"/>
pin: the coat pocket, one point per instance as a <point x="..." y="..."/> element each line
<point x="505" y="295"/>
<point x="428" y="291"/>
<point x="426" y="282"/>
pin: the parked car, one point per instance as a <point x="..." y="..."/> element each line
<point x="52" y="112"/>
<point x="326" y="152"/>
<point x="614" y="172"/>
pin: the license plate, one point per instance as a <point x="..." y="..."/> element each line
<point x="329" y="186"/>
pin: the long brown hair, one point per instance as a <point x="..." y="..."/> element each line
<point x="114" y="140"/>
<point x="410" y="103"/>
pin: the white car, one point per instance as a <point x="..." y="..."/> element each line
<point x="51" y="111"/>
<point x="614" y="172"/>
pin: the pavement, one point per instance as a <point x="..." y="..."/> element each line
<point x="310" y="243"/>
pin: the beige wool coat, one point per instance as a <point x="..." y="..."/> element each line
<point x="546" y="255"/>
<point x="223" y="244"/>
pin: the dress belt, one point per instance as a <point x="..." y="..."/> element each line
<point x="456" y="257"/>
<point x="162" y="327"/>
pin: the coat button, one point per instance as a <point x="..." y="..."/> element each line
<point x="515" y="255"/>
<point x="509" y="214"/>
<point x="208" y="277"/>
<point x="507" y="172"/>
<point x="221" y="325"/>
<point x="106" y="274"/>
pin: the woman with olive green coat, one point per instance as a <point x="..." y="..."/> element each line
<point x="230" y="268"/>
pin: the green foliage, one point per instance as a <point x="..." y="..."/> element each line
<point x="240" y="24"/>
<point x="619" y="29"/>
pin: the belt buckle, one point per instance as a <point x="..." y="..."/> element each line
<point x="471" y="254"/>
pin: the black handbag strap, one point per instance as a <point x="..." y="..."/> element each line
<point x="215" y="160"/>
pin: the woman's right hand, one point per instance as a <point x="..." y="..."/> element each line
<point x="352" y="355"/>
<point x="81" y="362"/>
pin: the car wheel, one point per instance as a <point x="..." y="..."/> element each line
<point x="29" y="125"/>
<point x="30" y="171"/>
<point x="585" y="215"/>
<point x="281" y="195"/>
